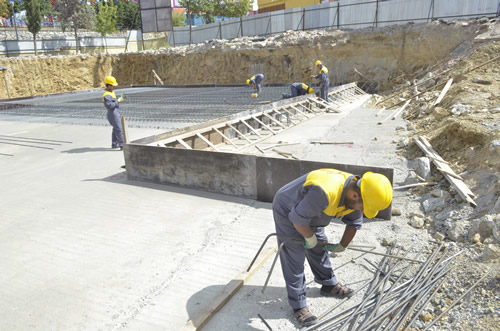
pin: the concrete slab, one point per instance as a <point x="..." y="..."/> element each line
<point x="83" y="248"/>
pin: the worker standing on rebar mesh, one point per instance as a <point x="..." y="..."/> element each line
<point x="303" y="208"/>
<point x="256" y="81"/>
<point x="113" y="115"/>
<point x="297" y="89"/>
<point x="324" y="83"/>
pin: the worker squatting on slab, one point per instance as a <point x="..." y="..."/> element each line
<point x="113" y="115"/>
<point x="303" y="208"/>
<point x="324" y="84"/>
<point x="298" y="89"/>
<point x="256" y="81"/>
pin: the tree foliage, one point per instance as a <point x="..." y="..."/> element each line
<point x="128" y="15"/>
<point x="33" y="18"/>
<point x="106" y="18"/>
<point x="178" y="19"/>
<point x="204" y="8"/>
<point x="232" y="8"/>
<point x="5" y="9"/>
<point x="64" y="10"/>
<point x="208" y="9"/>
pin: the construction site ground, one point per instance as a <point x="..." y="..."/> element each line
<point x="83" y="248"/>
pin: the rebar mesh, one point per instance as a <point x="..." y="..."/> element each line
<point x="155" y="107"/>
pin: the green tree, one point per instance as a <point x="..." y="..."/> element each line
<point x="128" y="15"/>
<point x="33" y="18"/>
<point x="232" y="8"/>
<point x="64" y="10"/>
<point x="205" y="8"/>
<point x="178" y="19"/>
<point x="83" y="18"/>
<point x="4" y="8"/>
<point x="106" y="20"/>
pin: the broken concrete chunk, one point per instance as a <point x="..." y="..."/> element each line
<point x="457" y="230"/>
<point x="415" y="214"/>
<point x="460" y="109"/>
<point x="483" y="226"/>
<point x="476" y="239"/>
<point x="417" y="222"/>
<point x="491" y="252"/>
<point x="411" y="178"/>
<point x="423" y="168"/>
<point x="387" y="242"/>
<point x="433" y="204"/>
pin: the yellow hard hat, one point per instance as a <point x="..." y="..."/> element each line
<point x="310" y="90"/>
<point x="248" y="81"/>
<point x="376" y="191"/>
<point x="317" y="63"/>
<point x="110" y="80"/>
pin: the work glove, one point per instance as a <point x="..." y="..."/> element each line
<point x="310" y="242"/>
<point x="121" y="98"/>
<point x="334" y="248"/>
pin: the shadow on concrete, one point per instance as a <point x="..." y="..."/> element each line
<point x="90" y="149"/>
<point x="121" y="178"/>
<point x="241" y="314"/>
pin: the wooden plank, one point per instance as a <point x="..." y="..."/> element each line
<point x="458" y="184"/>
<point x="157" y="77"/>
<point x="207" y="141"/>
<point x="299" y="111"/>
<point x="285" y="154"/>
<point x="224" y="136"/>
<point x="274" y="120"/>
<point x="443" y="92"/>
<point x="251" y="128"/>
<point x="125" y="130"/>
<point x="205" y="314"/>
<point x="183" y="143"/>
<point x="400" y="110"/>
<point x="263" y="124"/>
<point x="332" y="142"/>
<point x="238" y="132"/>
<point x="394" y="113"/>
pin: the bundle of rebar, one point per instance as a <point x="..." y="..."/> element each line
<point x="396" y="296"/>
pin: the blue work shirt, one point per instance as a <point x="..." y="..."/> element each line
<point x="316" y="198"/>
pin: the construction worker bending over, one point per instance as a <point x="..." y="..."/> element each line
<point x="303" y="208"/>
<point x="256" y="81"/>
<point x="298" y="89"/>
<point x="324" y="84"/>
<point x="113" y="115"/>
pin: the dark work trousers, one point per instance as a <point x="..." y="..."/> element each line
<point x="324" y="90"/>
<point x="115" y="120"/>
<point x="292" y="259"/>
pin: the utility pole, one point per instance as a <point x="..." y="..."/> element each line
<point x="14" y="16"/>
<point x="189" y="22"/>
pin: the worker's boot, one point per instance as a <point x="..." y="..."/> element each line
<point x="305" y="317"/>
<point x="338" y="291"/>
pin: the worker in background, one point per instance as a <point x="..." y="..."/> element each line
<point x="113" y="115"/>
<point x="256" y="81"/>
<point x="324" y="84"/>
<point x="303" y="208"/>
<point x="298" y="89"/>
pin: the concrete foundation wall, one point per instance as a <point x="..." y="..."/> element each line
<point x="241" y="175"/>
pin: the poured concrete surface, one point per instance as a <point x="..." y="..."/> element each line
<point x="83" y="248"/>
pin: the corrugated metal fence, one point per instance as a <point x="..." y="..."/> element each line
<point x="344" y="14"/>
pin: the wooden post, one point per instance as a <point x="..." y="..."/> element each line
<point x="124" y="129"/>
